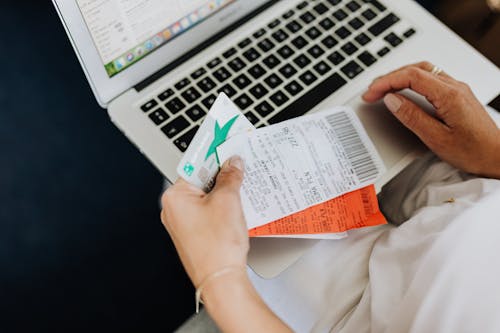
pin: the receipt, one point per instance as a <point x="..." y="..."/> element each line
<point x="302" y="162"/>
<point x="352" y="210"/>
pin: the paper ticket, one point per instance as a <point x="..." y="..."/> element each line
<point x="352" y="210"/>
<point x="302" y="162"/>
<point x="200" y="163"/>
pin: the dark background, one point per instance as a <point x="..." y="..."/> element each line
<point x="81" y="244"/>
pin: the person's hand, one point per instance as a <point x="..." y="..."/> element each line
<point x="462" y="133"/>
<point x="208" y="230"/>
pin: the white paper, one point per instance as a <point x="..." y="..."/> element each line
<point x="302" y="162"/>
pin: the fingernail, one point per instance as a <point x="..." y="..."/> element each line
<point x="236" y="161"/>
<point x="392" y="102"/>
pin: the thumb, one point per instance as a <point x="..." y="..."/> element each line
<point x="425" y="126"/>
<point x="230" y="176"/>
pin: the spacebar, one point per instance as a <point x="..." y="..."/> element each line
<point x="310" y="99"/>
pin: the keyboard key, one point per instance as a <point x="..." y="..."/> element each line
<point x="352" y="69"/>
<point x="244" y="43"/>
<point x="349" y="48"/>
<point x="149" y="105"/>
<point x="285" y="52"/>
<point x="209" y="101"/>
<point x="307" y="17"/>
<point x="274" y="24"/>
<point x="287" y="71"/>
<point x="191" y="94"/>
<point x="320" y="8"/>
<point x="175" y="127"/>
<point x="206" y="84"/>
<point x="383" y="24"/>
<point x="251" y="54"/>
<point x="326" y="23"/>
<point x="362" y="39"/>
<point x="242" y="81"/>
<point x="293" y="88"/>
<point x="313" y="33"/>
<point x="259" y="33"/>
<point x="322" y="68"/>
<point x="336" y="58"/>
<point x="280" y="35"/>
<point x="182" y="84"/>
<point x="175" y="105"/>
<point x="288" y="14"/>
<point x="369" y="14"/>
<point x="265" y="45"/>
<point x="264" y="109"/>
<point x="222" y="74"/>
<point x="356" y="23"/>
<point x="340" y="14"/>
<point x="279" y="98"/>
<point x="257" y="71"/>
<point x="229" y="53"/>
<point x="299" y="42"/>
<point x="310" y="99"/>
<point x="294" y="26"/>
<point x="409" y="32"/>
<point x="342" y="32"/>
<point x="353" y="6"/>
<point x="376" y="4"/>
<point x="383" y="51"/>
<point x="302" y="5"/>
<point x="198" y="73"/>
<point x="243" y="101"/>
<point x="213" y="63"/>
<point x="315" y="51"/>
<point x="183" y="142"/>
<point x="334" y="2"/>
<point x="308" y="78"/>
<point x="271" y="61"/>
<point x="393" y="39"/>
<point x="329" y="42"/>
<point x="166" y="94"/>
<point x="273" y="81"/>
<point x="302" y="61"/>
<point x="251" y="117"/>
<point x="228" y="90"/>
<point x="195" y="112"/>
<point x="367" y="58"/>
<point x="158" y="116"/>
<point x="258" y="91"/>
<point x="237" y="64"/>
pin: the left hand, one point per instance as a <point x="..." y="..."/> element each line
<point x="208" y="230"/>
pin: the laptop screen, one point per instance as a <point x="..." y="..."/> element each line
<point x="125" y="31"/>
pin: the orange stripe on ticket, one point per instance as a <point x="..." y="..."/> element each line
<point x="352" y="210"/>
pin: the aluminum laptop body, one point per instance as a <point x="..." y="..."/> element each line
<point x="277" y="59"/>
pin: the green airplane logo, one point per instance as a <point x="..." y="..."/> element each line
<point x="220" y="135"/>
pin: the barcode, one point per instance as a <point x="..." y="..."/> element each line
<point x="355" y="149"/>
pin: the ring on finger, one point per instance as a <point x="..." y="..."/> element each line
<point x="436" y="70"/>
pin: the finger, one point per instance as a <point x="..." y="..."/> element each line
<point x="413" y="78"/>
<point x="230" y="176"/>
<point x="426" y="127"/>
<point x="184" y="186"/>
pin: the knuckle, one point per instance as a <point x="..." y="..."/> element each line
<point x="425" y="64"/>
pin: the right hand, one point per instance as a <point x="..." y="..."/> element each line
<point x="462" y="133"/>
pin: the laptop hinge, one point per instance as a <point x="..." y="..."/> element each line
<point x="186" y="56"/>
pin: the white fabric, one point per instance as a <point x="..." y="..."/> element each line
<point x="436" y="272"/>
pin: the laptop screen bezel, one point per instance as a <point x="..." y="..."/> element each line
<point x="107" y="88"/>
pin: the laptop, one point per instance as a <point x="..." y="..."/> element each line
<point x="158" y="65"/>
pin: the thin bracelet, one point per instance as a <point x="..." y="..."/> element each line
<point x="209" y="278"/>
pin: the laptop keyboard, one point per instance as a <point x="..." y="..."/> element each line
<point x="284" y="68"/>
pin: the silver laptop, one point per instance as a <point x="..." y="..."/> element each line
<point x="158" y="65"/>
